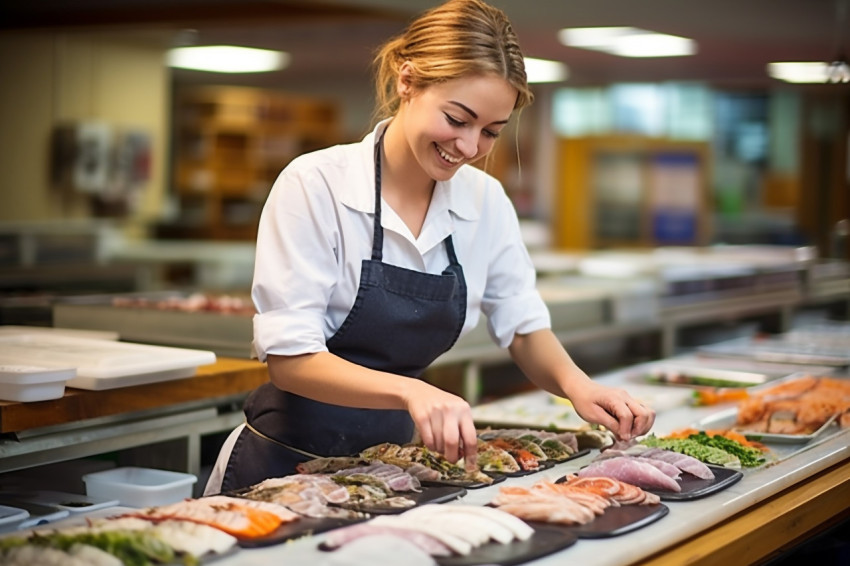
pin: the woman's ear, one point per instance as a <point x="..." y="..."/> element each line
<point x="404" y="83"/>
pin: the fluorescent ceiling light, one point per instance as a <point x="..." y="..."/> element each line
<point x="802" y="72"/>
<point x="545" y="71"/>
<point x="227" y="59"/>
<point x="627" y="41"/>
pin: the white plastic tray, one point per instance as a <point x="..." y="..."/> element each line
<point x="71" y="502"/>
<point x="23" y="383"/>
<point x="37" y="514"/>
<point x="12" y="515"/>
<point x="104" y="364"/>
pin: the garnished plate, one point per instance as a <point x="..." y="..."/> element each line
<point x="429" y="494"/>
<point x="728" y="420"/>
<point x="544" y="465"/>
<point x="546" y="540"/>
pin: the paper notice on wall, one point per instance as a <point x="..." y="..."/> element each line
<point x="91" y="163"/>
<point x="674" y="197"/>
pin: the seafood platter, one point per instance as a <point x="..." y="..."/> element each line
<point x="795" y="410"/>
<point x="416" y="495"/>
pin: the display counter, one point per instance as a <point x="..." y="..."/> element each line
<point x="771" y="508"/>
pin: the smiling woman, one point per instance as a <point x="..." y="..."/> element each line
<point x="374" y="257"/>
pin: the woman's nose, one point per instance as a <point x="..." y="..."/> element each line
<point x="467" y="144"/>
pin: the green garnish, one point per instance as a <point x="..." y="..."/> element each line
<point x="750" y="457"/>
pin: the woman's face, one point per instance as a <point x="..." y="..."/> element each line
<point x="456" y="122"/>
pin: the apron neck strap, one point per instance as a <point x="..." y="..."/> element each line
<point x="378" y="238"/>
<point x="378" y="235"/>
<point x="450" y="250"/>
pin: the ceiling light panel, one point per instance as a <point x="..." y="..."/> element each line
<point x="627" y="41"/>
<point x="798" y="71"/>
<point x="545" y="71"/>
<point x="227" y="59"/>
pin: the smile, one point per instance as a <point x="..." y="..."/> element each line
<point x="447" y="157"/>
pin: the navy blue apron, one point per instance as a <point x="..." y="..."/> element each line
<point x="401" y="321"/>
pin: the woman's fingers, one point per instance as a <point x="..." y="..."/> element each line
<point x="633" y="418"/>
<point x="617" y="411"/>
<point x="644" y="418"/>
<point x="470" y="443"/>
<point x="444" y="422"/>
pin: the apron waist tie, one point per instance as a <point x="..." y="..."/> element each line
<point x="279" y="443"/>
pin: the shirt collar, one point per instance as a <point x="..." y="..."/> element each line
<point x="449" y="195"/>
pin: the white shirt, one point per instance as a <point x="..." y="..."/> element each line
<point x="317" y="227"/>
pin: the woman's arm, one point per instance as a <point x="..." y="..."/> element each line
<point x="543" y="359"/>
<point x="444" y="421"/>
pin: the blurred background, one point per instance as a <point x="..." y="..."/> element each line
<point x="670" y="200"/>
<point x="123" y="172"/>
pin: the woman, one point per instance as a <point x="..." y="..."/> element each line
<point x="374" y="257"/>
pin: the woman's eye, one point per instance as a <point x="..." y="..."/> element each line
<point x="491" y="134"/>
<point x="453" y="121"/>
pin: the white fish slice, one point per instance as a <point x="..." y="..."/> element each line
<point x="476" y="533"/>
<point x="457" y="544"/>
<point x="520" y="529"/>
<point x="345" y="535"/>
<point x="503" y="527"/>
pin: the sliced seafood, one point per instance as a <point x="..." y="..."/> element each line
<point x="345" y="535"/>
<point x="406" y="456"/>
<point x="797" y="406"/>
<point x="396" y="478"/>
<point x="330" y="465"/>
<point x="229" y="514"/>
<point x="633" y="471"/>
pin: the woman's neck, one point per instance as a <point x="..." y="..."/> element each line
<point x="404" y="185"/>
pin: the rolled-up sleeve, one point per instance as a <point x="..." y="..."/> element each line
<point x="296" y="265"/>
<point x="511" y="300"/>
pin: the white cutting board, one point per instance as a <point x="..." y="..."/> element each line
<point x="12" y="329"/>
<point x="104" y="364"/>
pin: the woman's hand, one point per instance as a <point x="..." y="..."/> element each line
<point x="542" y="357"/>
<point x="444" y="422"/>
<point x="612" y="408"/>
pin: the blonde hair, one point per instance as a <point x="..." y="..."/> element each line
<point x="456" y="39"/>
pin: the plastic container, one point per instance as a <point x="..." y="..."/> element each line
<point x="10" y="517"/>
<point x="25" y="382"/>
<point x="140" y="487"/>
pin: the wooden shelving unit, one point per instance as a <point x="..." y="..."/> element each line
<point x="631" y="191"/>
<point x="230" y="143"/>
